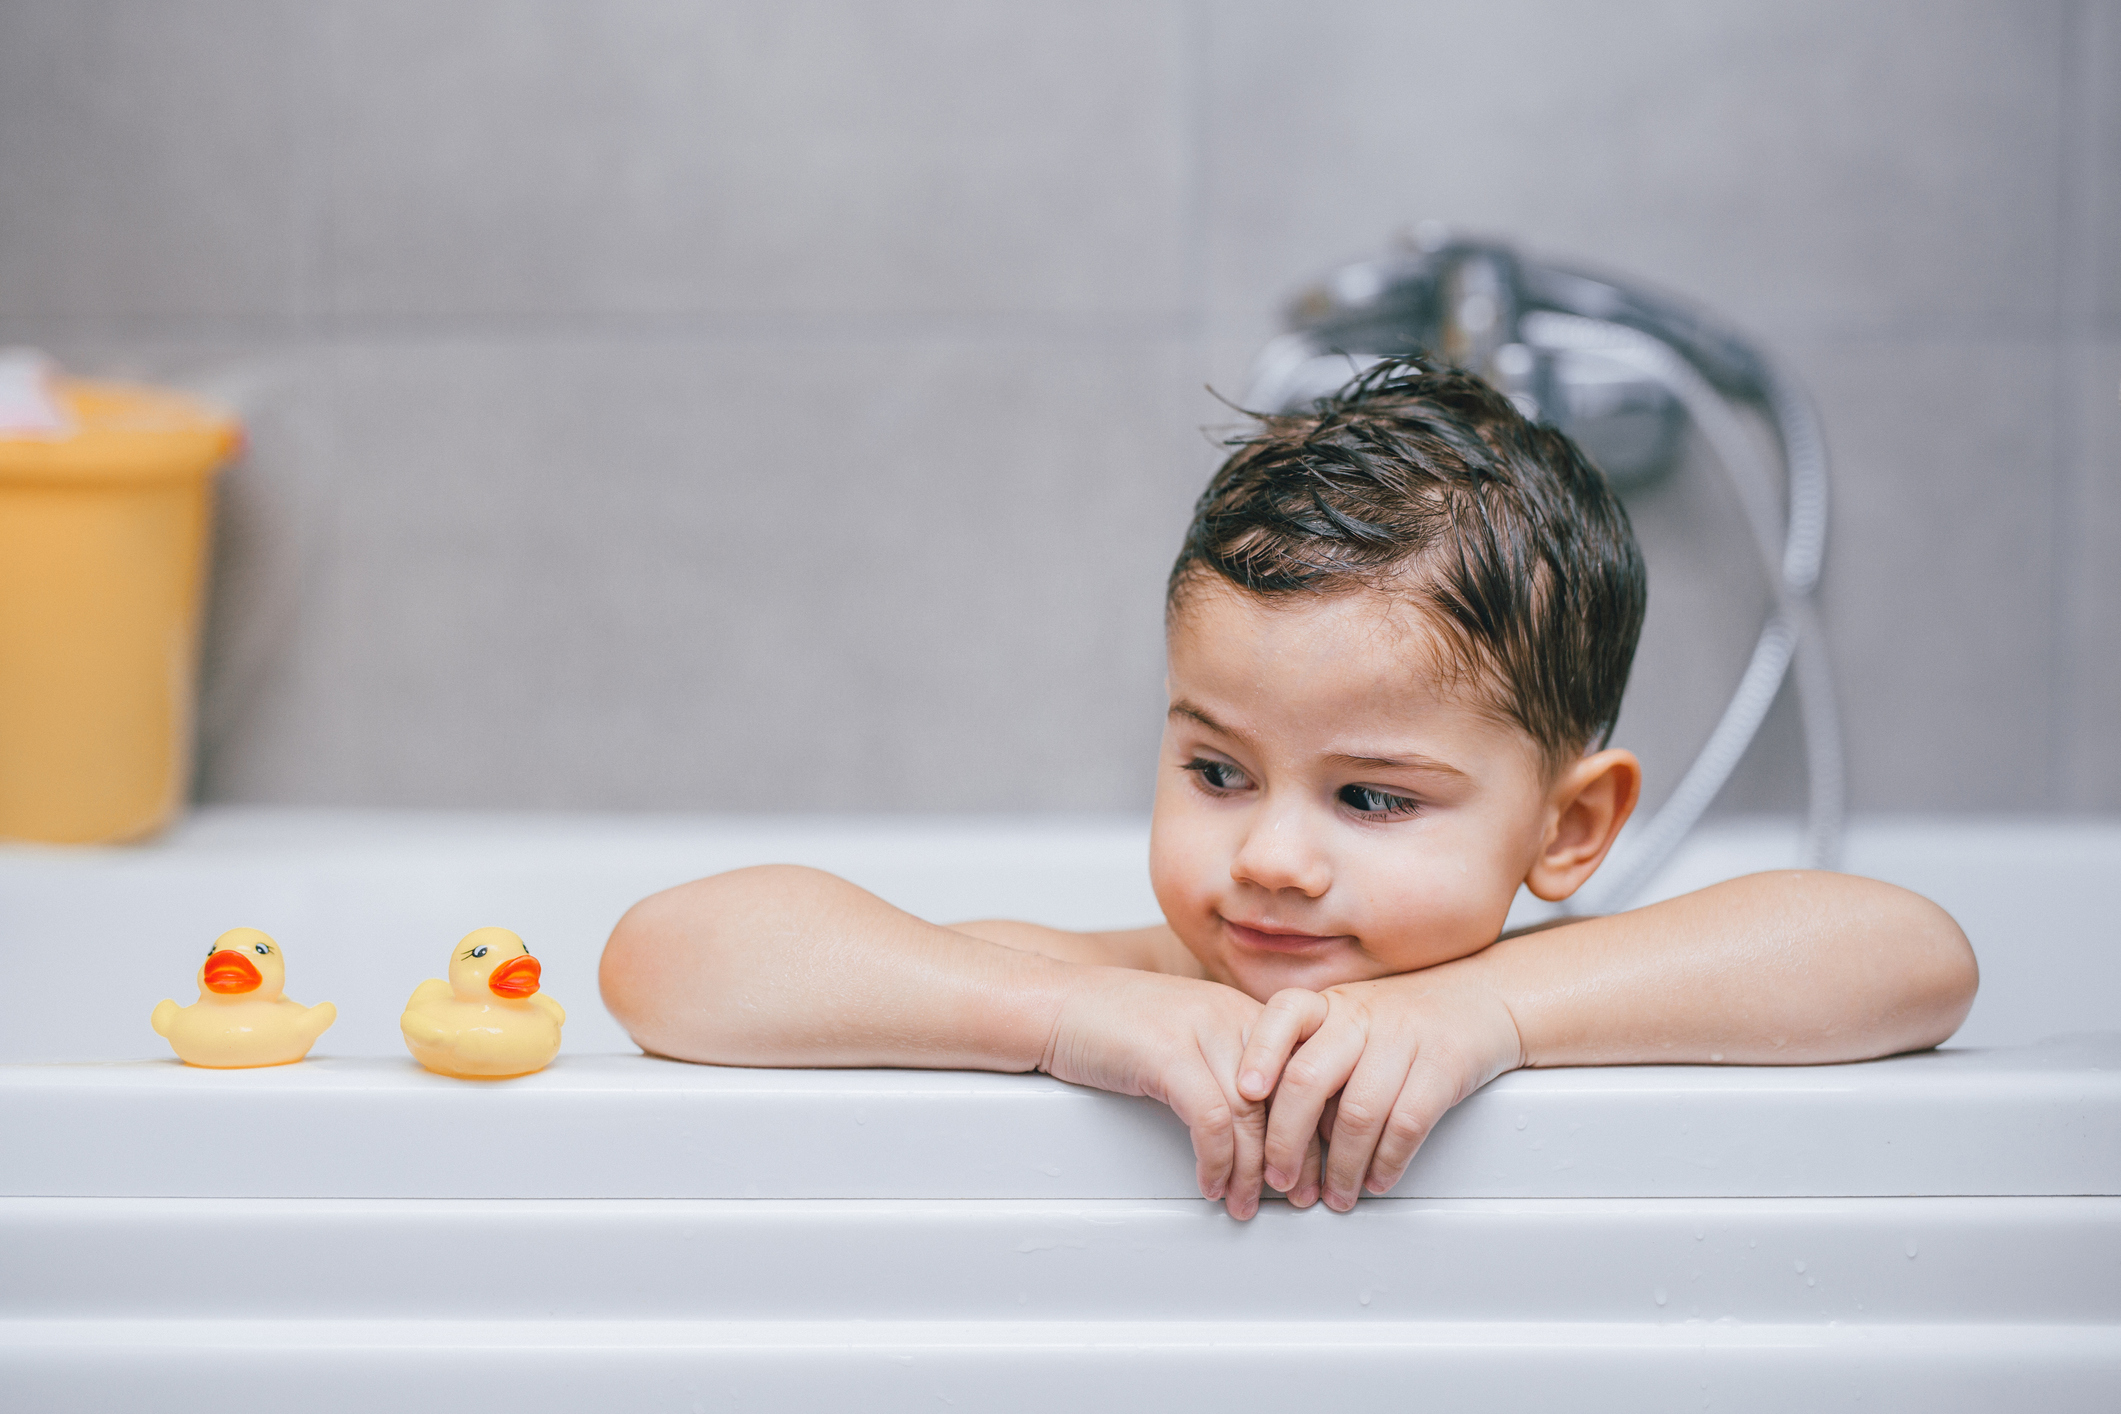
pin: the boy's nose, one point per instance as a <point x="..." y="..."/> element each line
<point x="1278" y="852"/>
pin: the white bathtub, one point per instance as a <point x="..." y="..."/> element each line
<point x="1931" y="1232"/>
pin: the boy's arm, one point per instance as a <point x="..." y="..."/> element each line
<point x="1786" y="968"/>
<point x="1789" y="968"/>
<point x="1153" y="949"/>
<point x="784" y="966"/>
<point x="787" y="966"/>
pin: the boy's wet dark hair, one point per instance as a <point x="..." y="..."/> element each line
<point x="1431" y="485"/>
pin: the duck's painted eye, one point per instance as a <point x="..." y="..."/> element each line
<point x="210" y="949"/>
<point x="260" y="949"/>
<point x="478" y="952"/>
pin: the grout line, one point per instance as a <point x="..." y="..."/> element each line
<point x="1197" y="24"/>
<point x="325" y="328"/>
<point x="328" y="329"/>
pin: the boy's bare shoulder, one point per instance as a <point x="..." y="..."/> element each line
<point x="1152" y="949"/>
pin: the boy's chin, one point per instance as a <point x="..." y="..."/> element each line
<point x="1260" y="978"/>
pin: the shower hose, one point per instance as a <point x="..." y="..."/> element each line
<point x="1791" y="552"/>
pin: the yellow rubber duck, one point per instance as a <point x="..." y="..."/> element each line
<point x="489" y="1020"/>
<point x="241" y="1019"/>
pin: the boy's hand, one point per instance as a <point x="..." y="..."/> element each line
<point x="1397" y="1053"/>
<point x="1178" y="1041"/>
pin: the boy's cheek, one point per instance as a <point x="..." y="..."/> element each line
<point x="1181" y="863"/>
<point x="1184" y="881"/>
<point x="1436" y="921"/>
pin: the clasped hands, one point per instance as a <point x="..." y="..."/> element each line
<point x="1313" y="1094"/>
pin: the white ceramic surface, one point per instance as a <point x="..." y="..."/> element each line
<point x="1932" y="1232"/>
<point x="366" y="903"/>
<point x="2018" y="1121"/>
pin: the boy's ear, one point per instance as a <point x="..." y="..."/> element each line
<point x="1590" y="801"/>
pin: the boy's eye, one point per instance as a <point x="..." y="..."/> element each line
<point x="1217" y="775"/>
<point x="1367" y="800"/>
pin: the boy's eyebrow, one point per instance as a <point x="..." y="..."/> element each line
<point x="1187" y="709"/>
<point x="1414" y="762"/>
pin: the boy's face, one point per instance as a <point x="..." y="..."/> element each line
<point x="1330" y="806"/>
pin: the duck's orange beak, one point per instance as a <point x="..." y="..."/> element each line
<point x="517" y="977"/>
<point x="230" y="973"/>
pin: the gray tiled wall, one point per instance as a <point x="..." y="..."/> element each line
<point x="795" y="405"/>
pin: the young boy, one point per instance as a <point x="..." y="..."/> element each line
<point x="1398" y="634"/>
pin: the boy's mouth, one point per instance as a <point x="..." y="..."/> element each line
<point x="1267" y="938"/>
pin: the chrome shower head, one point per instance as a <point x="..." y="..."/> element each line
<point x="1469" y="303"/>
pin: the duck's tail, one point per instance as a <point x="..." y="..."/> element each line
<point x="165" y="1013"/>
<point x="421" y="1030"/>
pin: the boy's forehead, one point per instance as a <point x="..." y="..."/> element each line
<point x="1360" y="654"/>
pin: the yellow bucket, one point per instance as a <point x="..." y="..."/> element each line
<point x="103" y="537"/>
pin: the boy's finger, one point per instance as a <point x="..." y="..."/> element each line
<point x="1202" y="1107"/>
<point x="1291" y="1015"/>
<point x="1318" y="1069"/>
<point x="1249" y="1134"/>
<point x="1429" y="1092"/>
<point x="1305" y="1193"/>
<point x="1366" y="1107"/>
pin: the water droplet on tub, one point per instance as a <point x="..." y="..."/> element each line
<point x="1799" y="1266"/>
<point x="1366" y="1298"/>
<point x="1808" y="1281"/>
<point x="1701" y="1234"/>
<point x="1660" y="1296"/>
<point x="1522" y="1121"/>
<point x="1752" y="1242"/>
<point x="1911" y="1249"/>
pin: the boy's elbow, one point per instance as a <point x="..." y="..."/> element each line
<point x="1942" y="974"/>
<point x="632" y="954"/>
<point x="662" y="967"/>
<point x="643" y="952"/>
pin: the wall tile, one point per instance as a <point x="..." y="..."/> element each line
<point x="816" y="157"/>
<point x="2091" y="649"/>
<point x="1937" y="600"/>
<point x="2099" y="158"/>
<point x="1941" y="574"/>
<point x="150" y="161"/>
<point x="796" y="406"/>
<point x="872" y="576"/>
<point x="1870" y="168"/>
